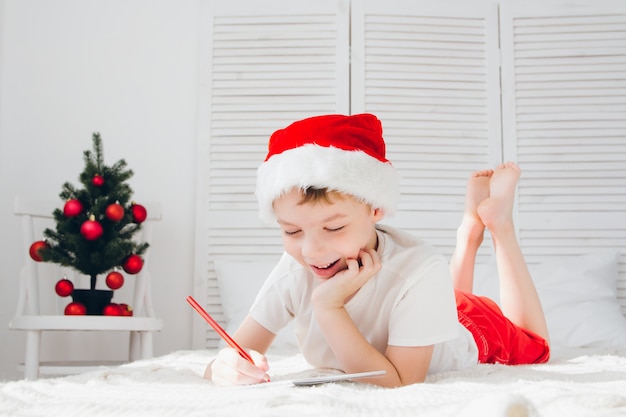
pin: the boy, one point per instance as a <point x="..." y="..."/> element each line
<point x="367" y="297"/>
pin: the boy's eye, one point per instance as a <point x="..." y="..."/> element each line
<point x="334" y="229"/>
<point x="290" y="232"/>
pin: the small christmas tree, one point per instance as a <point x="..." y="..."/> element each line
<point x="94" y="230"/>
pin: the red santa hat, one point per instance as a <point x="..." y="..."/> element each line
<point x="336" y="152"/>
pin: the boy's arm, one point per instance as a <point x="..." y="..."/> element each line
<point x="404" y="365"/>
<point x="251" y="335"/>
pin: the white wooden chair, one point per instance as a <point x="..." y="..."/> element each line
<point x="35" y="316"/>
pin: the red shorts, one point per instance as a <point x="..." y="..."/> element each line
<point x="498" y="339"/>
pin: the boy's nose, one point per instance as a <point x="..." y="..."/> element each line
<point x="311" y="248"/>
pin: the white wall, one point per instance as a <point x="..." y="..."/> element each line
<point x="125" y="68"/>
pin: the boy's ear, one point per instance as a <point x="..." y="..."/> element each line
<point x="378" y="214"/>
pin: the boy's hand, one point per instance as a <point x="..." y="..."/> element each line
<point x="334" y="292"/>
<point x="229" y="368"/>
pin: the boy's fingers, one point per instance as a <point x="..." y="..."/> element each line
<point x="229" y="368"/>
<point x="370" y="258"/>
<point x="226" y="376"/>
<point x="259" y="360"/>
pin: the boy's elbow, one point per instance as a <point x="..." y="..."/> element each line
<point x="418" y="380"/>
<point x="399" y="382"/>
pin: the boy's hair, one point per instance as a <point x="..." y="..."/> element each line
<point x="333" y="152"/>
<point x="322" y="195"/>
<point x="315" y="195"/>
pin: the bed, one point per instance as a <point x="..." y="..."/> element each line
<point x="585" y="377"/>
<point x="579" y="382"/>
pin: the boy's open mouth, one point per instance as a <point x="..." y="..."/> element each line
<point x="325" y="266"/>
<point x="326" y="271"/>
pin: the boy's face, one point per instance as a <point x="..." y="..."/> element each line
<point x="321" y="235"/>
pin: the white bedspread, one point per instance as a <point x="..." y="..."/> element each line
<point x="579" y="383"/>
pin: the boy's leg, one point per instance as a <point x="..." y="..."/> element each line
<point x="469" y="235"/>
<point x="518" y="297"/>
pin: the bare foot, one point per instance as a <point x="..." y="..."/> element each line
<point x="470" y="233"/>
<point x="476" y="192"/>
<point x="497" y="210"/>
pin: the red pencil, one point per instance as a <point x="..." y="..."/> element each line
<point x="231" y="342"/>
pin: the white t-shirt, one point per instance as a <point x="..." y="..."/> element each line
<point x="410" y="302"/>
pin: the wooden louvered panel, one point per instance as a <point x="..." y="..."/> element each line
<point x="564" y="84"/>
<point x="263" y="65"/>
<point x="429" y="70"/>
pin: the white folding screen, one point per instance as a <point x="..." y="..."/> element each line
<point x="564" y="114"/>
<point x="459" y="85"/>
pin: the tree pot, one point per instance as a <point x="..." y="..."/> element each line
<point x="94" y="300"/>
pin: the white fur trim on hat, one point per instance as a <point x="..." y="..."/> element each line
<point x="350" y="172"/>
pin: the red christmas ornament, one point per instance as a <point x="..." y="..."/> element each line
<point x="114" y="280"/>
<point x="112" y="310"/>
<point x="75" y="309"/>
<point x="133" y="264"/>
<point x="139" y="213"/>
<point x="72" y="208"/>
<point x="97" y="180"/>
<point x="114" y="212"/>
<point x="36" y="248"/>
<point x="126" y="309"/>
<point x="64" y="287"/>
<point x="91" y="229"/>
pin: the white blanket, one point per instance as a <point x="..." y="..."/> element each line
<point x="580" y="383"/>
